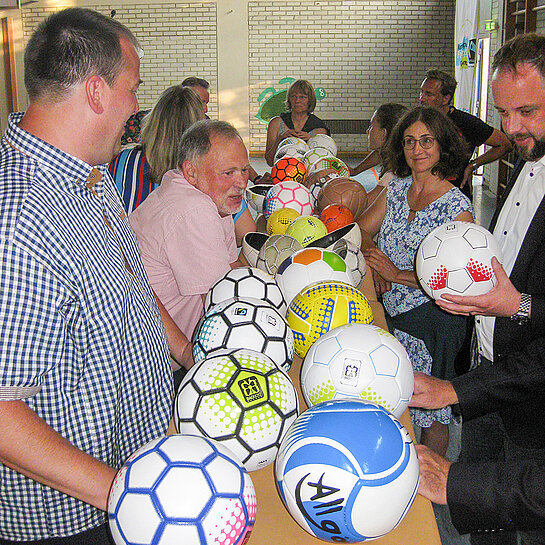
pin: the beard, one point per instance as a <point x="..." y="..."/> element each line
<point x="530" y="154"/>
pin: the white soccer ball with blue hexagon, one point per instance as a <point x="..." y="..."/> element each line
<point x="240" y="398"/>
<point x="359" y="361"/>
<point x="311" y="265"/>
<point x="456" y="258"/>
<point x="244" y="323"/>
<point x="149" y="503"/>
<point x="246" y="282"/>
<point x="347" y="471"/>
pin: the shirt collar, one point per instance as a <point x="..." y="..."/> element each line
<point x="49" y="157"/>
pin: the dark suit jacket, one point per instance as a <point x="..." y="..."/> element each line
<point x="490" y="495"/>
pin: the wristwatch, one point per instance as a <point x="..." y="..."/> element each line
<point x="523" y="315"/>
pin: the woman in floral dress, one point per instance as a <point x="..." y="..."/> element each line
<point x="423" y="151"/>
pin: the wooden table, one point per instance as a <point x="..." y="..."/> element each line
<point x="275" y="526"/>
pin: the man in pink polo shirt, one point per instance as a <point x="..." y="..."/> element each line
<point x="185" y="227"/>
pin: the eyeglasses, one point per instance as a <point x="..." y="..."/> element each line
<point x="426" y="142"/>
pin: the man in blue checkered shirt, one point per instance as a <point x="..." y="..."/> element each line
<point x="85" y="373"/>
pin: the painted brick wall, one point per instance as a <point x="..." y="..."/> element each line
<point x="179" y="40"/>
<point x="362" y="52"/>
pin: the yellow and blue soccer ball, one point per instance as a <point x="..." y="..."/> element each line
<point x="306" y="229"/>
<point x="323" y="306"/>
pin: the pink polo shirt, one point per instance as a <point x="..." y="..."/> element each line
<point x="185" y="246"/>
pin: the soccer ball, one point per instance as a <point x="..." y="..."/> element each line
<point x="244" y="323"/>
<point x="306" y="229"/>
<point x="347" y="471"/>
<point x="246" y="282"/>
<point x="358" y="361"/>
<point x="315" y="154"/>
<point x="330" y="163"/>
<point x="343" y="191"/>
<point x="251" y="244"/>
<point x="292" y="140"/>
<point x="354" y="259"/>
<point x="323" y="141"/>
<point x="336" y="216"/>
<point x="255" y="196"/>
<point x="308" y="266"/>
<point x="324" y="306"/>
<point x="288" y="168"/>
<point x="147" y="503"/>
<point x="280" y="220"/>
<point x="350" y="233"/>
<point x="240" y="398"/>
<point x="288" y="194"/>
<point x="455" y="258"/>
<point x="275" y="250"/>
<point x="291" y="150"/>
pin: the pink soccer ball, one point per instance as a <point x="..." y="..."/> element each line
<point x="288" y="194"/>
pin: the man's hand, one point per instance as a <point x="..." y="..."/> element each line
<point x="433" y="475"/>
<point x="432" y="393"/>
<point x="502" y="300"/>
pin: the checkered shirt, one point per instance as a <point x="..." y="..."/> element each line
<point x="81" y="338"/>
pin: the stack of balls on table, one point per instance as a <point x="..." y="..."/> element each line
<point x="346" y="469"/>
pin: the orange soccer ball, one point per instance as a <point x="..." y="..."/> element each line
<point x="288" y="168"/>
<point x="336" y="216"/>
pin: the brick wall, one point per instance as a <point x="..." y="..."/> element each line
<point x="362" y="52"/>
<point x="179" y="40"/>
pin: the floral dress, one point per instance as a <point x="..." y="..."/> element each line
<point x="399" y="240"/>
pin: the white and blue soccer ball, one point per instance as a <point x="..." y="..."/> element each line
<point x="360" y="361"/>
<point x="182" y="489"/>
<point x="244" y="322"/>
<point x="347" y="471"/>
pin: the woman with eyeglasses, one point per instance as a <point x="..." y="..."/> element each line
<point x="423" y="151"/>
<point x="298" y="120"/>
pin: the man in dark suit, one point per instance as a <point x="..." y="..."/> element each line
<point x="496" y="487"/>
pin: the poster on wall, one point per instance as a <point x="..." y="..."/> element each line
<point x="465" y="45"/>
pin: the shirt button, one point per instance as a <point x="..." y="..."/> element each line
<point x="531" y="173"/>
<point x="517" y="204"/>
<point x="505" y="232"/>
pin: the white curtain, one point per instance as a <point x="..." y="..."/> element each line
<point x="465" y="42"/>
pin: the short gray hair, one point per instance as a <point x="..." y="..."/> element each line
<point x="197" y="140"/>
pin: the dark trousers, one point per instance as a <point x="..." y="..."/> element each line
<point x="483" y="439"/>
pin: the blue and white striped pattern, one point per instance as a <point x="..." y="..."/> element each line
<point x="78" y="321"/>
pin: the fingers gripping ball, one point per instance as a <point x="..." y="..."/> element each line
<point x="147" y="504"/>
<point x="288" y="168"/>
<point x="347" y="471"/>
<point x="306" y="229"/>
<point x="280" y="220"/>
<point x="456" y="258"/>
<point x="322" y="307"/>
<point x="336" y="216"/>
